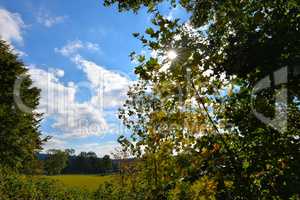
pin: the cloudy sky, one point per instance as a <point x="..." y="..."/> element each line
<point x="77" y="53"/>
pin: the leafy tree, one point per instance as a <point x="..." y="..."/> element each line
<point x="107" y="163"/>
<point x="19" y="135"/>
<point x="35" y="167"/>
<point x="196" y="126"/>
<point x="70" y="152"/>
<point x="56" y="161"/>
<point x="88" y="163"/>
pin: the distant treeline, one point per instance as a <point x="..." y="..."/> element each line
<point x="83" y="163"/>
<point x="89" y="163"/>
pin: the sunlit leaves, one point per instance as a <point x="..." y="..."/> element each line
<point x="197" y="118"/>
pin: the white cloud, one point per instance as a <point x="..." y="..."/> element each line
<point x="112" y="86"/>
<point x="100" y="149"/>
<point x="73" y="119"/>
<point x="58" y="72"/>
<point x="19" y="52"/>
<point x="48" y="20"/>
<point x="101" y="77"/>
<point x="92" y="46"/>
<point x="76" y="119"/>
<point x="54" y="143"/>
<point x="11" y="25"/>
<point x="72" y="47"/>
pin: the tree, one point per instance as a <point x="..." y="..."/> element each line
<point x="19" y="135"/>
<point x="70" y="152"/>
<point x="256" y="37"/>
<point x="89" y="163"/>
<point x="107" y="163"/>
<point x="34" y="167"/>
<point x="196" y="126"/>
<point x="56" y="161"/>
<point x="93" y="162"/>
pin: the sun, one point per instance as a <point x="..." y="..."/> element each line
<point x="172" y="54"/>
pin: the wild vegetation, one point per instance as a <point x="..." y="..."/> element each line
<point x="57" y="162"/>
<point x="210" y="128"/>
<point x="20" y="137"/>
<point x="214" y="113"/>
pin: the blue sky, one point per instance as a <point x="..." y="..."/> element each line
<point x="77" y="53"/>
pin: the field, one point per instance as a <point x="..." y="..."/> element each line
<point x="89" y="182"/>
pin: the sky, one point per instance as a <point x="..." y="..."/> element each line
<point x="77" y="54"/>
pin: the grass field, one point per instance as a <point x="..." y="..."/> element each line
<point x="89" y="182"/>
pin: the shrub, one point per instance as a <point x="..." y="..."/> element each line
<point x="108" y="191"/>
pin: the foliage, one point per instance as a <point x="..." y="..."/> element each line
<point x="111" y="192"/>
<point x="89" y="163"/>
<point x="83" y="163"/>
<point x="19" y="135"/>
<point x="56" y="161"/>
<point x="192" y="119"/>
<point x="35" y="167"/>
<point x="107" y="163"/>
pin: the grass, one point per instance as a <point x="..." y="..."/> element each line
<point x="89" y="182"/>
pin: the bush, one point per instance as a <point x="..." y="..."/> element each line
<point x="108" y="191"/>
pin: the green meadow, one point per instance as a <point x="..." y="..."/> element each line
<point x="89" y="182"/>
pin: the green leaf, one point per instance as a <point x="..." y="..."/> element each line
<point x="246" y="164"/>
<point x="150" y="31"/>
